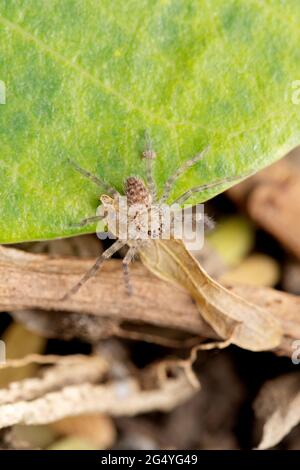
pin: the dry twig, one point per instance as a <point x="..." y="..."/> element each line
<point x="30" y="281"/>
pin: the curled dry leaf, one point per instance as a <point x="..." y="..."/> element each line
<point x="232" y="317"/>
<point x="282" y="306"/>
<point x="278" y="406"/>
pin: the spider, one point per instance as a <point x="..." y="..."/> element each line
<point x="143" y="203"/>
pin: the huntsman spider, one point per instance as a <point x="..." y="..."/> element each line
<point x="143" y="204"/>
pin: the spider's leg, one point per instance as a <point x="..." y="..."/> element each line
<point x="188" y="164"/>
<point x="126" y="261"/>
<point x="89" y="220"/>
<point x="99" y="182"/>
<point x="149" y="155"/>
<point x="91" y="272"/>
<point x="198" y="189"/>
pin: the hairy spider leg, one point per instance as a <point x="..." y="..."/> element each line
<point x="116" y="246"/>
<point x="128" y="258"/>
<point x="186" y="165"/>
<point x="89" y="220"/>
<point x="198" y="189"/>
<point x="149" y="155"/>
<point x="99" y="182"/>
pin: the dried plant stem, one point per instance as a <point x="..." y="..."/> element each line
<point x="89" y="369"/>
<point x="50" y="359"/>
<point x="117" y="399"/>
<point x="29" y="281"/>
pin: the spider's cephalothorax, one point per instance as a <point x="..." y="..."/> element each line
<point x="141" y="200"/>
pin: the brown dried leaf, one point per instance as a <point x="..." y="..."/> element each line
<point x="281" y="306"/>
<point x="278" y="406"/>
<point x="232" y="317"/>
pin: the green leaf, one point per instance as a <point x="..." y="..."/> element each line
<point x="85" y="78"/>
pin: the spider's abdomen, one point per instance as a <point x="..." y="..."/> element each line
<point x="136" y="192"/>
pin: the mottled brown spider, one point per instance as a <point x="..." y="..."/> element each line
<point x="143" y="205"/>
